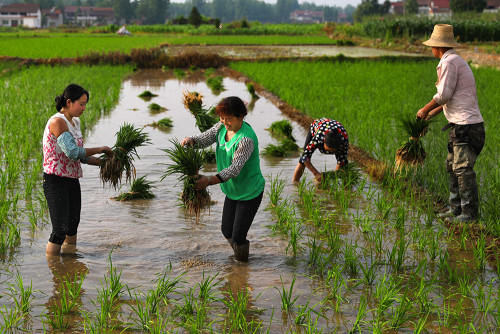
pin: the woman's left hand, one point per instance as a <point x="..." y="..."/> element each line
<point x="201" y="183"/>
<point x="107" y="150"/>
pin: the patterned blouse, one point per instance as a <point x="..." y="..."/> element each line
<point x="319" y="128"/>
<point x="55" y="161"/>
<point x="241" y="156"/>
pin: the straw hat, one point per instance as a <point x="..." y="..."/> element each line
<point x="442" y="36"/>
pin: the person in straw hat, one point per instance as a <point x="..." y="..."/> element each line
<point x="456" y="97"/>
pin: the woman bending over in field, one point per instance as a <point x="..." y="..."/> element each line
<point x="63" y="153"/>
<point x="330" y="137"/>
<point x="238" y="171"/>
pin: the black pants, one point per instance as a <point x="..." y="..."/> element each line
<point x="64" y="199"/>
<point x="237" y="217"/>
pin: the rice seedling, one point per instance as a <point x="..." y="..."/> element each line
<point x="412" y="153"/>
<point x="287" y="301"/>
<point x="369" y="272"/>
<point x="166" y="284"/>
<point x="464" y="284"/>
<point x="10" y="318"/>
<point x="401" y="313"/>
<point x="386" y="292"/>
<point x="70" y="292"/>
<point x="128" y="139"/>
<point x="237" y="309"/>
<point x="277" y="186"/>
<point x="485" y="299"/>
<point x="163" y="124"/>
<point x="286" y="148"/>
<point x="356" y="326"/>
<point x="206" y="288"/>
<point x="215" y="84"/>
<point x="334" y="283"/>
<point x="420" y="325"/>
<point x="479" y="250"/>
<point x="251" y="90"/>
<point x="155" y="108"/>
<point x="295" y="232"/>
<point x="315" y="252"/>
<point x="384" y="205"/>
<point x="350" y="257"/>
<point x="282" y="129"/>
<point x="187" y="162"/>
<point x="56" y="318"/>
<point x="140" y="188"/>
<point x="397" y="255"/>
<point x="22" y="295"/>
<point x="194" y="104"/>
<point x="147" y="95"/>
<point x="145" y="318"/>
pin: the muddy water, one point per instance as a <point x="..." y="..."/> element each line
<point x="143" y="237"/>
<point x="286" y="51"/>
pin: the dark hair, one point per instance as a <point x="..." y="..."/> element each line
<point x="73" y="92"/>
<point x="334" y="139"/>
<point x="231" y="106"/>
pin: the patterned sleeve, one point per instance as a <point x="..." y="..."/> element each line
<point x="68" y="145"/>
<point x="241" y="156"/>
<point x="447" y="83"/>
<point x="310" y="148"/>
<point x="208" y="137"/>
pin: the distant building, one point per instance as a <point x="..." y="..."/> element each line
<point x="306" y="16"/>
<point x="434" y="8"/>
<point x="89" y="16"/>
<point x="21" y="14"/>
<point x="52" y="17"/>
<point x="397" y="8"/>
<point x="492" y="6"/>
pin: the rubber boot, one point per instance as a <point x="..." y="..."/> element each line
<point x="230" y="242"/>
<point x="241" y="251"/>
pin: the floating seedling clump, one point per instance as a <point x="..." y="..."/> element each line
<point x="139" y="189"/>
<point x="194" y="103"/>
<point x="215" y="84"/>
<point x="412" y="153"/>
<point x="155" y="108"/>
<point x="128" y="139"/>
<point x="282" y="129"/>
<point x="164" y="123"/>
<point x="187" y="161"/>
<point x="251" y="90"/>
<point x="147" y="95"/>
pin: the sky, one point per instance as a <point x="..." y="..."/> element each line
<point x="338" y="3"/>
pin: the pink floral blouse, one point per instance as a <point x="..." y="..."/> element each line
<point x="55" y="161"/>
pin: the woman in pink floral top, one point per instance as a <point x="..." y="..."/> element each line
<point x="63" y="153"/>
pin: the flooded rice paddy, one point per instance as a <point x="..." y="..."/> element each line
<point x="371" y="235"/>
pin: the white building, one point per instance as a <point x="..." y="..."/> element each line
<point x="21" y="14"/>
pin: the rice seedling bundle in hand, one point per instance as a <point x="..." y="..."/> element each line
<point x="412" y="152"/>
<point x="346" y="177"/>
<point x="139" y="189"/>
<point x="128" y="139"/>
<point x="187" y="162"/>
<point x="193" y="102"/>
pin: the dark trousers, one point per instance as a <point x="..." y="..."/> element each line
<point x="64" y="199"/>
<point x="237" y="217"/>
<point x="464" y="145"/>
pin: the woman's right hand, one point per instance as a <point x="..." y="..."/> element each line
<point x="187" y="141"/>
<point x="107" y="150"/>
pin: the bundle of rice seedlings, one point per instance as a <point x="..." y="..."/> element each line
<point x="164" y="123"/>
<point x="282" y="129"/>
<point x="193" y="102"/>
<point x="147" y="95"/>
<point x="412" y="152"/>
<point x="286" y="148"/>
<point x="187" y="162"/>
<point x="128" y="139"/>
<point x="155" y="108"/>
<point x="139" y="189"/>
<point x="251" y="90"/>
<point x="347" y="177"/>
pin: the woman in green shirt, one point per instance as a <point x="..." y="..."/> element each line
<point x="238" y="171"/>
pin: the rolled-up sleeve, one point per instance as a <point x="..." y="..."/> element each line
<point x="447" y="81"/>
<point x="241" y="155"/>
<point x="208" y="137"/>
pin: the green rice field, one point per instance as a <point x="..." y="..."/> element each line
<point x="55" y="45"/>
<point x="368" y="97"/>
